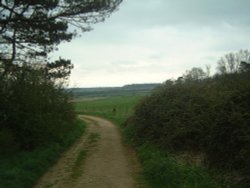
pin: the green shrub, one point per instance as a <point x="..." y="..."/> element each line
<point x="210" y="116"/>
<point x="34" y="109"/>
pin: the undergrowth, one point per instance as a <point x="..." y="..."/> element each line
<point x="162" y="171"/>
<point x="23" y="169"/>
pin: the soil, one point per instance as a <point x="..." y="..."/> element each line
<point x="108" y="162"/>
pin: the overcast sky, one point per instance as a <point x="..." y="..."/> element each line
<point x="149" y="41"/>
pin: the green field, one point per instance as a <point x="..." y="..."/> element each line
<point x="104" y="107"/>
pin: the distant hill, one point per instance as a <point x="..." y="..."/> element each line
<point x="141" y="86"/>
<point x="132" y="89"/>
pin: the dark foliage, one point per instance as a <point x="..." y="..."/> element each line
<point x="209" y="115"/>
<point x="35" y="110"/>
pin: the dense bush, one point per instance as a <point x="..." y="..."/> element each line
<point x="208" y="115"/>
<point x="35" y="109"/>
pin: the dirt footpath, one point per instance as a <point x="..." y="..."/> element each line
<point x="97" y="160"/>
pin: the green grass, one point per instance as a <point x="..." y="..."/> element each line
<point x="162" y="171"/>
<point x="77" y="170"/>
<point x="23" y="169"/>
<point x="104" y="107"/>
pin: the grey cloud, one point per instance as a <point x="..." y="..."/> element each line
<point x="136" y="16"/>
<point x="202" y="12"/>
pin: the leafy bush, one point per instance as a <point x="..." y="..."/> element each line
<point x="208" y="115"/>
<point x="35" y="109"/>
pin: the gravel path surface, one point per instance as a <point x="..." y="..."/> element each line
<point x="97" y="160"/>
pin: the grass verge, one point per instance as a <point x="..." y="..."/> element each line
<point x="23" y="169"/>
<point x="162" y="171"/>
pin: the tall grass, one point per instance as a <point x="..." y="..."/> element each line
<point x="23" y="169"/>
